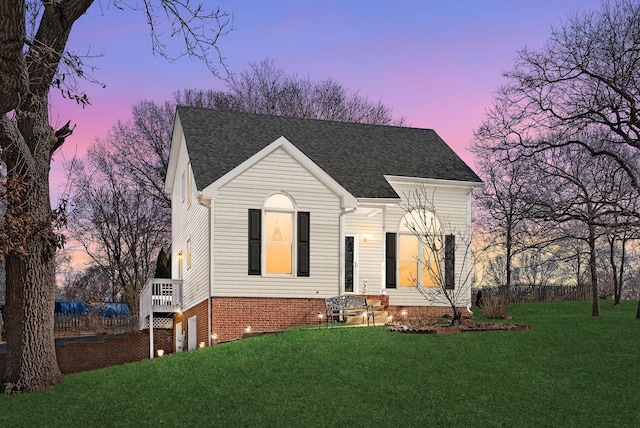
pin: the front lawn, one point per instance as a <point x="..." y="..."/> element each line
<point x="570" y="370"/>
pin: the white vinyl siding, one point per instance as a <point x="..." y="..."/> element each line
<point x="453" y="209"/>
<point x="189" y="236"/>
<point x="370" y="247"/>
<point x="277" y="172"/>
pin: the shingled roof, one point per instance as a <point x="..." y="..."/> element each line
<point x="355" y="155"/>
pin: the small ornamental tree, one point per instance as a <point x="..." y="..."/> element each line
<point x="163" y="265"/>
<point x="441" y="272"/>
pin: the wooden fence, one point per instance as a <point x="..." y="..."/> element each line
<point x="74" y="324"/>
<point x="525" y="294"/>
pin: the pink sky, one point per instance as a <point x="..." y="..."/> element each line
<point x="437" y="63"/>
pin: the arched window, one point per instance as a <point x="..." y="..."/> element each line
<point x="279" y="238"/>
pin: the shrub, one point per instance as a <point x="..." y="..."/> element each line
<point x="494" y="307"/>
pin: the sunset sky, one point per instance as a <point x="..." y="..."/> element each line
<point x="437" y="63"/>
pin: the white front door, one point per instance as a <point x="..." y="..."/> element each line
<point x="191" y="331"/>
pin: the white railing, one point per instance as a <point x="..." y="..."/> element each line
<point x="161" y="296"/>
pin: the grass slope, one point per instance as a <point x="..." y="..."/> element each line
<point x="570" y="370"/>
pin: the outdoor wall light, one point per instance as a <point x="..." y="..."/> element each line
<point x="160" y="352"/>
<point x="367" y="237"/>
<point x="201" y="345"/>
<point x="247" y="329"/>
<point x="214" y="336"/>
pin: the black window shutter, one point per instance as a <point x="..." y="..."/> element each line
<point x="390" y="260"/>
<point x="303" y="243"/>
<point x="449" y="262"/>
<point x="255" y="246"/>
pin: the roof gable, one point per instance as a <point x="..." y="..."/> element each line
<point x="357" y="156"/>
<point x="347" y="199"/>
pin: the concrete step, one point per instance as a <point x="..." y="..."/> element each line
<point x="374" y="302"/>
<point x="380" y="317"/>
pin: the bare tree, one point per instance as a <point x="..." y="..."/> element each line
<point x="443" y="274"/>
<point x="33" y="59"/>
<point x="93" y="284"/>
<point x="505" y="211"/>
<point x="584" y="193"/>
<point x="118" y="225"/>
<point x="267" y="89"/>
<point x="585" y="77"/>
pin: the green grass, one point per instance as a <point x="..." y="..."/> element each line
<point x="570" y="370"/>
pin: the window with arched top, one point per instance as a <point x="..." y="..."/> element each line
<point x="418" y="261"/>
<point x="278" y="238"/>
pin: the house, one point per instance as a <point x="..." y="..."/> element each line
<point x="271" y="215"/>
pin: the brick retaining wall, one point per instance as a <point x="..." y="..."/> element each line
<point x="110" y="351"/>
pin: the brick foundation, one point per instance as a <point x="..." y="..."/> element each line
<point x="232" y="315"/>
<point x="200" y="311"/>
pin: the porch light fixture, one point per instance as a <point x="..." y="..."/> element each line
<point x="214" y="336"/>
<point x="367" y="236"/>
<point x="160" y="352"/>
<point x="201" y="345"/>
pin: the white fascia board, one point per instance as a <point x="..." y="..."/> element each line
<point x="470" y="185"/>
<point x="177" y="139"/>
<point x="347" y="199"/>
<point x="378" y="202"/>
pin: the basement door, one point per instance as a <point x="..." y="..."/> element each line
<point x="179" y="337"/>
<point x="350" y="264"/>
<point x="191" y="333"/>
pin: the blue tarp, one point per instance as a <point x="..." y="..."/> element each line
<point x="81" y="308"/>
<point x="69" y="308"/>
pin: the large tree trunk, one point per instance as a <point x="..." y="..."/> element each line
<point x="31" y="363"/>
<point x="27" y="142"/>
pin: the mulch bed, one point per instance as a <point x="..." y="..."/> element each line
<point x="445" y="328"/>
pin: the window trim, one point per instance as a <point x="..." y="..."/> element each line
<point x="300" y="244"/>
<point x="189" y="185"/>
<point x="189" y="252"/>
<point x="392" y="256"/>
<point x="294" y="235"/>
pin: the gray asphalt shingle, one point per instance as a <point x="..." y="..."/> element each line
<point x="356" y="155"/>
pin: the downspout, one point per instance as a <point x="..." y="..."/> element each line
<point x="208" y="204"/>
